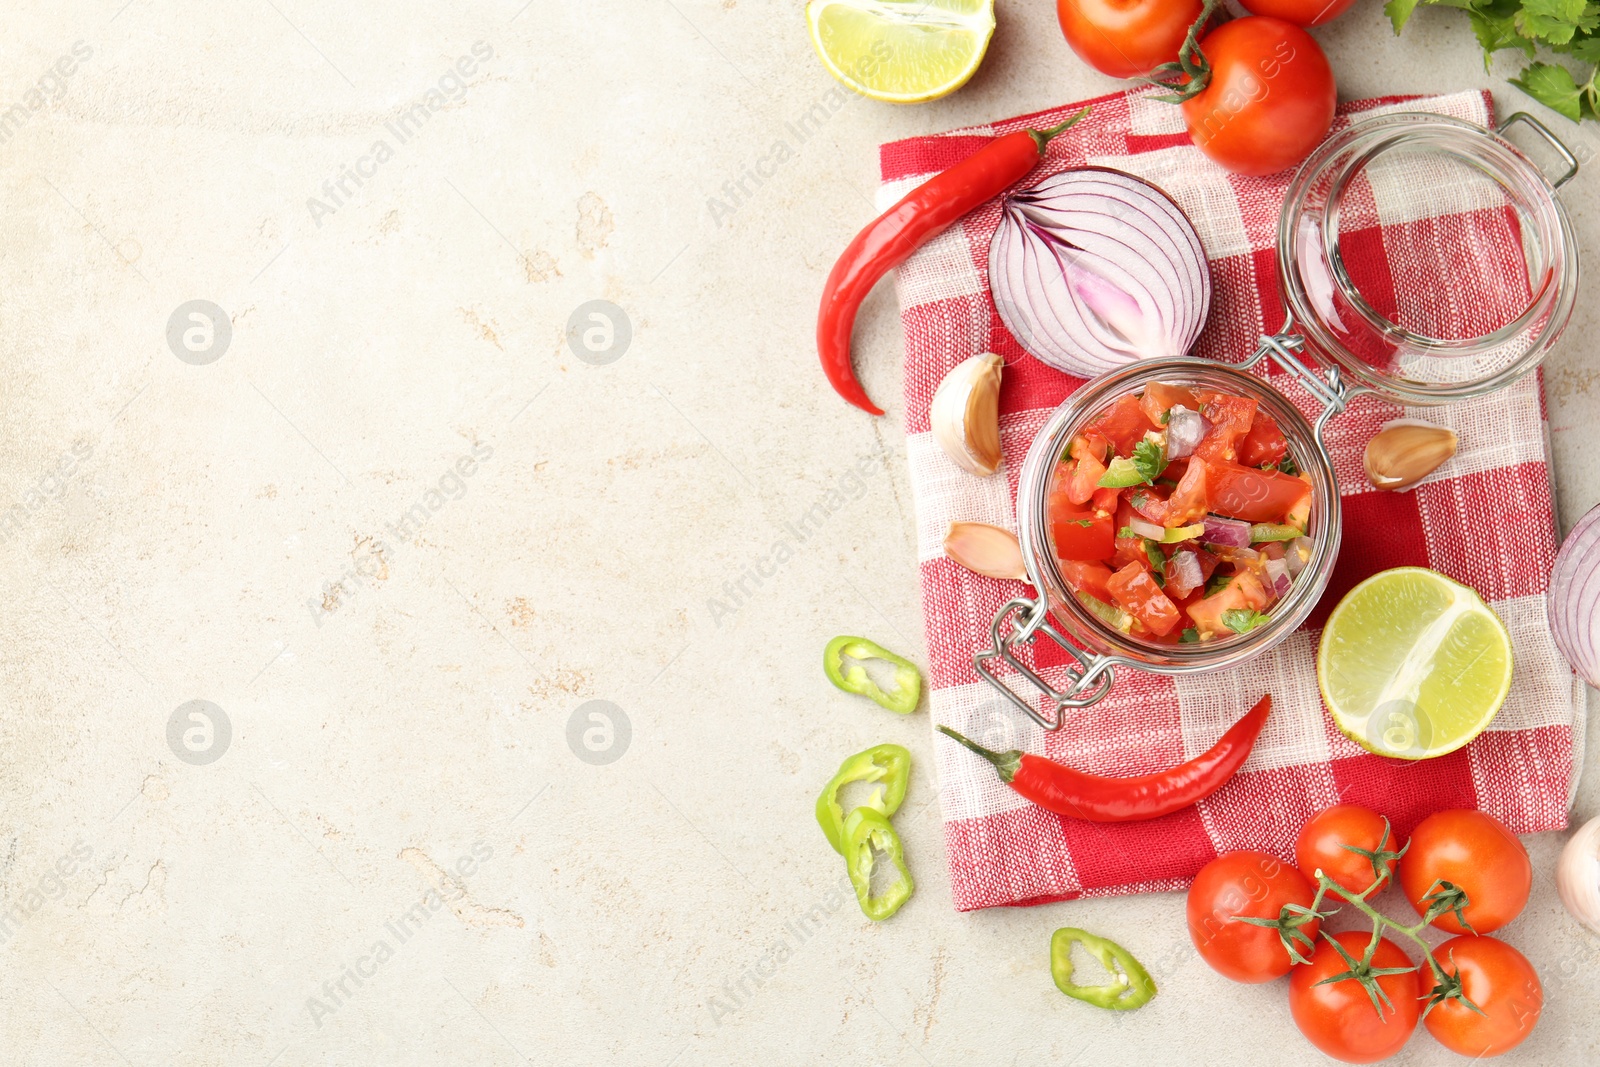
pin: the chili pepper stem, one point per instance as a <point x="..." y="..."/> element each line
<point x="1041" y="138"/>
<point x="1005" y="763"/>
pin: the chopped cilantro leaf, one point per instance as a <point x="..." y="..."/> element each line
<point x="1242" y="620"/>
<point x="1218" y="583"/>
<point x="1189" y="636"/>
<point x="1150" y="458"/>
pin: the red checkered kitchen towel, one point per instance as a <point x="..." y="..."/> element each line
<point x="1485" y="518"/>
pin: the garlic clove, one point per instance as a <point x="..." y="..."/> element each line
<point x="1578" y="875"/>
<point x="987" y="550"/>
<point x="965" y="414"/>
<point x="1406" y="451"/>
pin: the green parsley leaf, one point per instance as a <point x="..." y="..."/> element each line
<point x="1189" y="636"/>
<point x="1287" y="465"/>
<point x="1556" y="21"/>
<point x="1497" y="32"/>
<point x="1127" y="532"/>
<point x="1399" y="12"/>
<point x="1218" y="583"/>
<point x="1166" y="416"/>
<point x="1242" y="620"/>
<point x="1149" y="458"/>
<point x="1085" y="523"/>
<point x="1555" y="88"/>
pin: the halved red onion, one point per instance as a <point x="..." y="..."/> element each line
<point x="1146" y="528"/>
<point x="1221" y="531"/>
<point x="1185" y="430"/>
<point x="1093" y="268"/>
<point x="1574" y="605"/>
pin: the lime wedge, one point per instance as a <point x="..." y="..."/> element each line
<point x="901" y="51"/>
<point x="1413" y="665"/>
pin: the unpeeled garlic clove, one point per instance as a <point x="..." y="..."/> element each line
<point x="965" y="414"/>
<point x="987" y="550"/>
<point x="1578" y="875"/>
<point x="1406" y="451"/>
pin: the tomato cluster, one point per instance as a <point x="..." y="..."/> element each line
<point x="1185" y="549"/>
<point x="1271" y="94"/>
<point x="1358" y="996"/>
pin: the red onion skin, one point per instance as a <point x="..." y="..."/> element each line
<point x="1185" y="430"/>
<point x="1231" y="532"/>
<point x="1574" y="602"/>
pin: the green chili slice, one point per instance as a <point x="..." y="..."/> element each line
<point x="853" y="678"/>
<point x="889" y="764"/>
<point x="1132" y="986"/>
<point x="864" y="831"/>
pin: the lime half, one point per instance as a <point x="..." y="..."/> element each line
<point x="1412" y="664"/>
<point x="902" y="51"/>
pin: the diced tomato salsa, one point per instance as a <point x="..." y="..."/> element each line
<point x="1134" y="491"/>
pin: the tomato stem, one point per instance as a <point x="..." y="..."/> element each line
<point x="1191" y="74"/>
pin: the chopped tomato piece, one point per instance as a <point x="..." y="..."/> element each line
<point x="1230" y="417"/>
<point x="1127" y="549"/>
<point x="1085" y="535"/>
<point x="1150" y="501"/>
<point x="1087" y="470"/>
<point x="1174" y="470"/>
<point x="1254" y="495"/>
<point x="1191" y="499"/>
<point x="1123" y="424"/>
<point x="1088" y="578"/>
<point x="1160" y="398"/>
<point x="1244" y="591"/>
<point x="1263" y="444"/>
<point x="1299" y="515"/>
<point x="1105" y="499"/>
<point x="1140" y="597"/>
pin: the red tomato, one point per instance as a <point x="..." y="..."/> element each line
<point x="1322" y="841"/>
<point x="1085" y="535"/>
<point x="1243" y="592"/>
<point x="1231" y="418"/>
<point x="1475" y="852"/>
<point x="1190" y="500"/>
<point x="1263" y="444"/>
<point x="1123" y="424"/>
<point x="1140" y="596"/>
<point x="1088" y="578"/>
<point x="1125" y="38"/>
<point x="1160" y="398"/>
<point x="1299" y="12"/>
<point x="1504" y="986"/>
<point x="1150" y="501"/>
<point x="1255" y="885"/>
<point x="1105" y="499"/>
<point x="1253" y="495"/>
<point x="1339" y="1018"/>
<point x="1270" y="100"/>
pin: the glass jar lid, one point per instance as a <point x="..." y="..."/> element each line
<point x="1428" y="257"/>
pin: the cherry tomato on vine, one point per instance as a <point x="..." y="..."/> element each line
<point x="1478" y="854"/>
<point x="1322" y="840"/>
<point x="1125" y="38"/>
<point x="1339" y="1018"/>
<point x="1270" y="99"/>
<point x="1299" y="12"/>
<point x="1251" y="884"/>
<point x="1504" y="986"/>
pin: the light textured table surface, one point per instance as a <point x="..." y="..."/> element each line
<point x="399" y="535"/>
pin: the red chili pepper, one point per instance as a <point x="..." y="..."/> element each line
<point x="1098" y="799"/>
<point x="920" y="216"/>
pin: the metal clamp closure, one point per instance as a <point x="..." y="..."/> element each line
<point x="1322" y="381"/>
<point x="1018" y="623"/>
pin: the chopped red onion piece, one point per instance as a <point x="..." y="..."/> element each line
<point x="1297" y="554"/>
<point x="1232" y="532"/>
<point x="1574" y="605"/>
<point x="1185" y="430"/>
<point x="1183" y="574"/>
<point x="1148" y="529"/>
<point x="1278" y="571"/>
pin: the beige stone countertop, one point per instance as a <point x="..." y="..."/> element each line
<point x="394" y="536"/>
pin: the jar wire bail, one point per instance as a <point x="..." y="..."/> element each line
<point x="1321" y="379"/>
<point x="1018" y="623"/>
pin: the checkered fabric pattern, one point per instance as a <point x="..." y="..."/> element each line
<point x="1485" y="518"/>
